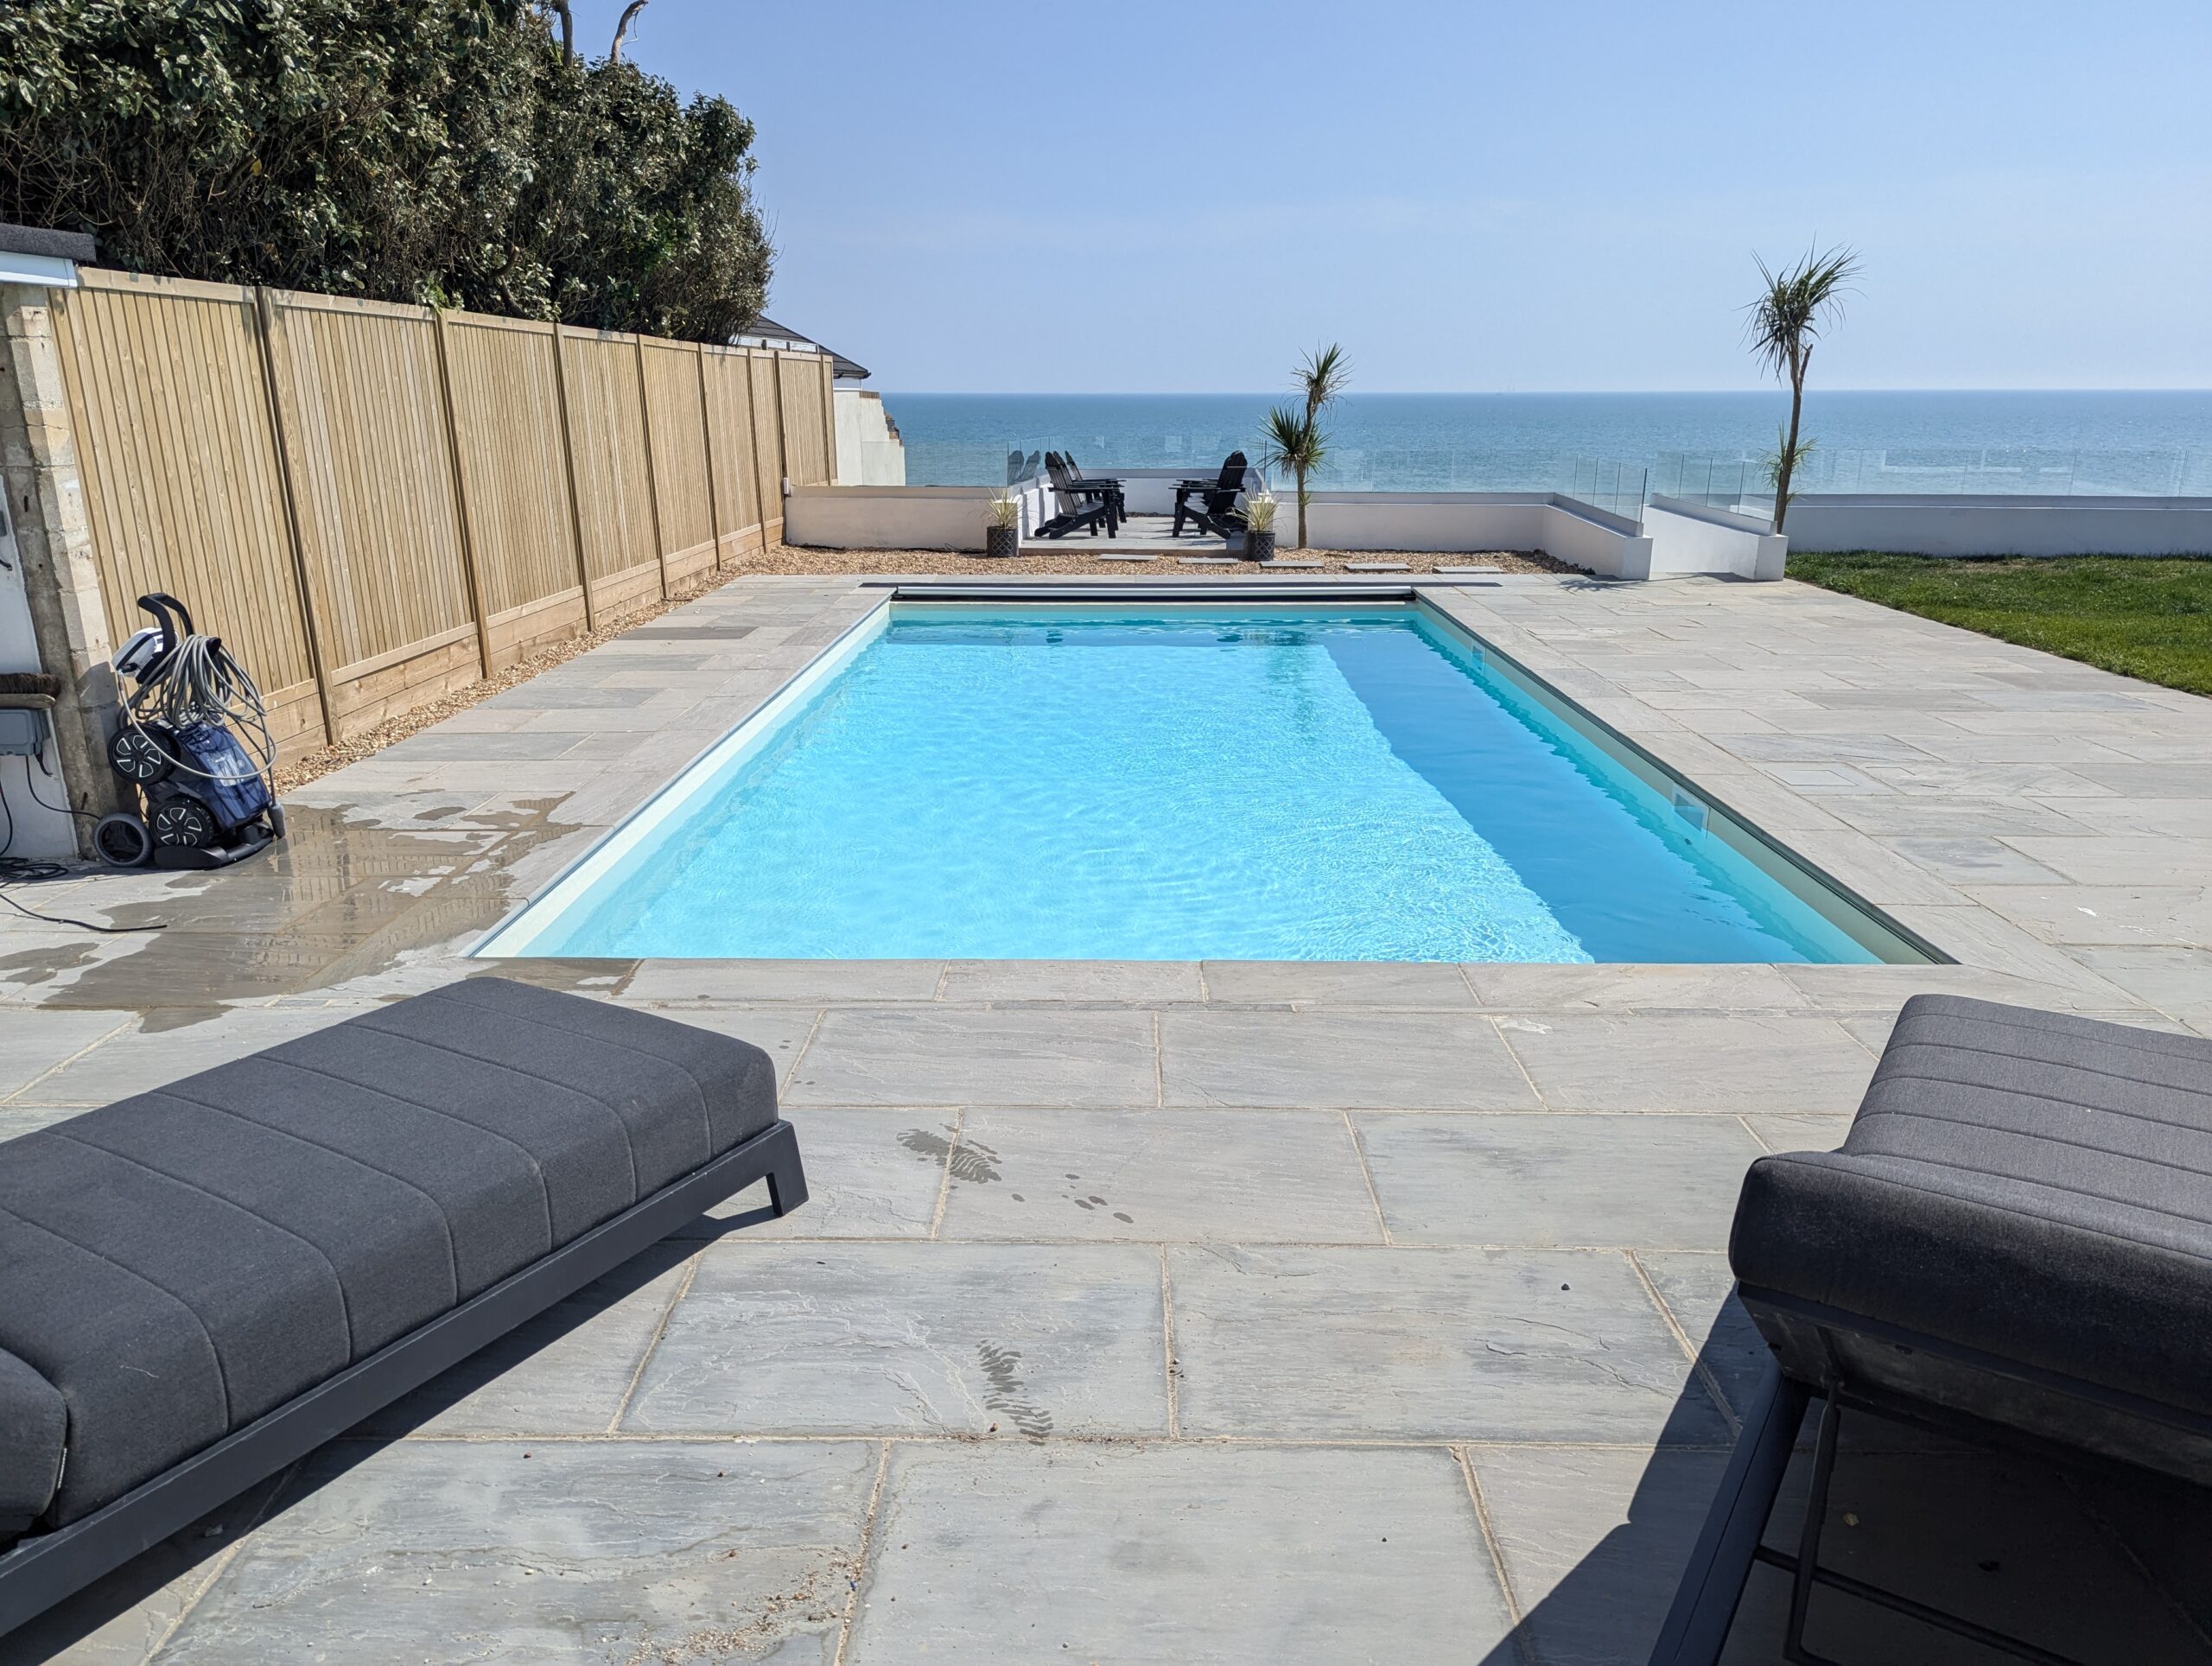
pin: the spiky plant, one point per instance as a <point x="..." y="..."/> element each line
<point x="1324" y="374"/>
<point x="1786" y="320"/>
<point x="1295" y="442"/>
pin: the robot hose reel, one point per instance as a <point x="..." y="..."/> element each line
<point x="194" y="743"/>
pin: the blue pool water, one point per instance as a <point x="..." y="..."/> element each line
<point x="1185" y="784"/>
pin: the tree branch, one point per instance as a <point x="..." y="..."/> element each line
<point x="560" y="9"/>
<point x="622" y="29"/>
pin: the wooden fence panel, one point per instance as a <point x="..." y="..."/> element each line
<point x="736" y="470"/>
<point x="807" y="458"/>
<point x="683" y="487"/>
<point x="506" y="417"/>
<point x="768" y="443"/>
<point x="339" y="488"/>
<point x="181" y="478"/>
<point x="361" y="414"/>
<point x="614" y="503"/>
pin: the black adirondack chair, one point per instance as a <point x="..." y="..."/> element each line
<point x="1211" y="505"/>
<point x="1075" y="509"/>
<point x="1097" y="485"/>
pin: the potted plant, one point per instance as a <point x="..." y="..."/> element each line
<point x="1003" y="525"/>
<point x="1259" y="527"/>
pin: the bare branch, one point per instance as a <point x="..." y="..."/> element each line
<point x="560" y="9"/>
<point x="622" y="29"/>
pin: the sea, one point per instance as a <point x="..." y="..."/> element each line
<point x="1712" y="446"/>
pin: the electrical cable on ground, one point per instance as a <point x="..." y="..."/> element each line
<point x="27" y="870"/>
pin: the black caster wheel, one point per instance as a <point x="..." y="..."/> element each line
<point x="184" y="822"/>
<point x="275" y="820"/>
<point x="140" y="755"/>
<point x="122" y="841"/>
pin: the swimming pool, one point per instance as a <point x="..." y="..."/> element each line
<point x="1184" y="782"/>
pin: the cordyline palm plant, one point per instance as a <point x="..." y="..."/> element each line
<point x="1295" y="438"/>
<point x="1799" y="302"/>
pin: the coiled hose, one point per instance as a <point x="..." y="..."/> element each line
<point x="198" y="682"/>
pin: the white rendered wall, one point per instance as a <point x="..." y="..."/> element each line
<point x="868" y="453"/>
<point x="1688" y="537"/>
<point x="1994" y="524"/>
<point x="885" y="516"/>
<point x="39" y="832"/>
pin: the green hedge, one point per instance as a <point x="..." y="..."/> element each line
<point x="420" y="150"/>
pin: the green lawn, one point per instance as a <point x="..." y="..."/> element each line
<point x="2146" y="616"/>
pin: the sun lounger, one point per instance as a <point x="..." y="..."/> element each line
<point x="200" y="1284"/>
<point x="2014" y="1244"/>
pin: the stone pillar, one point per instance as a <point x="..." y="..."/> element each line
<point x="61" y="575"/>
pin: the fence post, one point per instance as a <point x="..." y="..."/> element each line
<point x="653" y="475"/>
<point x="460" y="499"/>
<point x="783" y="444"/>
<point x="54" y="541"/>
<point x="707" y="430"/>
<point x="761" y="484"/>
<point x="264" y="315"/>
<point x="569" y="468"/>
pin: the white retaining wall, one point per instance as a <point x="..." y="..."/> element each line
<point x="1995" y="524"/>
<point x="1470" y="522"/>
<point x="887" y="517"/>
<point x="1691" y="537"/>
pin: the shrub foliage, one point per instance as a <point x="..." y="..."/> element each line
<point x="424" y="150"/>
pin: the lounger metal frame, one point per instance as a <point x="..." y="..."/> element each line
<point x="1697" y="1625"/>
<point x="43" y="1569"/>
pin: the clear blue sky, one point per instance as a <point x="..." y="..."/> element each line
<point x="1180" y="197"/>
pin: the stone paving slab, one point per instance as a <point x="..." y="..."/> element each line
<point x="1557" y="1180"/>
<point x="1428" y="1345"/>
<point x="1691" y="1061"/>
<point x="841" y="1339"/>
<point x="1442" y="1061"/>
<point x="1149" y="1176"/>
<point x="607" y="1551"/>
<point x="965" y="1056"/>
<point x="1171" y="1554"/>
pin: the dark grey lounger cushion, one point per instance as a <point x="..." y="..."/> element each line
<point x="183" y="1262"/>
<point x="2032" y="1186"/>
<point x="33" y="1424"/>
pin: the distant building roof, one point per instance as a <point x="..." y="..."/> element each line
<point x="765" y="332"/>
<point x="37" y="240"/>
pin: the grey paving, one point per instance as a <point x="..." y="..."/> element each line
<point x="558" y="1551"/>
<point x="1176" y="1553"/>
<point x="1230" y="1426"/>
<point x="1223" y="1056"/>
<point x="953" y="1056"/>
<point x="1149" y="1176"/>
<point x="1428" y="1345"/>
<point x="1691" y="1061"/>
<point x="1554" y="1181"/>
<point x="841" y="1339"/>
